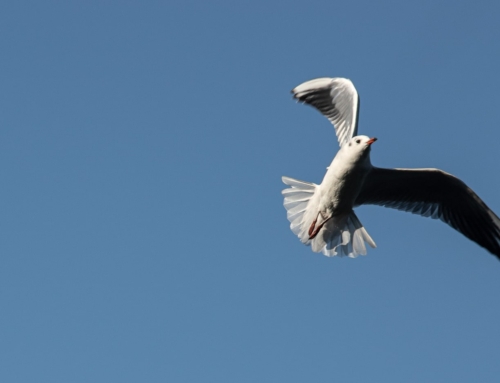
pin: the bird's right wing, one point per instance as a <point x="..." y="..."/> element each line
<point x="436" y="194"/>
<point x="337" y="99"/>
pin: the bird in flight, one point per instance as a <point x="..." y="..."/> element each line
<point x="322" y="216"/>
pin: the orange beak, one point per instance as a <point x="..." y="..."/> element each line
<point x="371" y="141"/>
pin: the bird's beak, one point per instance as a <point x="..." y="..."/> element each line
<point x="371" y="141"/>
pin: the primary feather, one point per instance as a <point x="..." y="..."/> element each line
<point x="336" y="99"/>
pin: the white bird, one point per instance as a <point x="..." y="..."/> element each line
<point x="322" y="216"/>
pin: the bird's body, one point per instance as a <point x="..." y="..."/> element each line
<point x="343" y="180"/>
<point x="322" y="215"/>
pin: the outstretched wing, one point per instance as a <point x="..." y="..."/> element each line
<point x="337" y="99"/>
<point x="436" y="194"/>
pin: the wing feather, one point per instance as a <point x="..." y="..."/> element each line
<point x="436" y="194"/>
<point x="337" y="99"/>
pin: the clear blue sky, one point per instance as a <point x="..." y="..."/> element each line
<point x="143" y="237"/>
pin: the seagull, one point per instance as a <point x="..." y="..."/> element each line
<point x="322" y="216"/>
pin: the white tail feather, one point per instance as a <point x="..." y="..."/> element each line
<point x="341" y="235"/>
<point x="296" y="201"/>
<point x="346" y="237"/>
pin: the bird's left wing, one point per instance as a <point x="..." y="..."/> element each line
<point x="436" y="194"/>
<point x="337" y="99"/>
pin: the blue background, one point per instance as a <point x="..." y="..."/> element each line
<point x="142" y="232"/>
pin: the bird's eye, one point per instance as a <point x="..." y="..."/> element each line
<point x="358" y="141"/>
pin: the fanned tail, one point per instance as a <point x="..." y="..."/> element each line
<point x="296" y="201"/>
<point x="342" y="235"/>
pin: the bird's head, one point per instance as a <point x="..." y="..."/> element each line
<point x="358" y="149"/>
